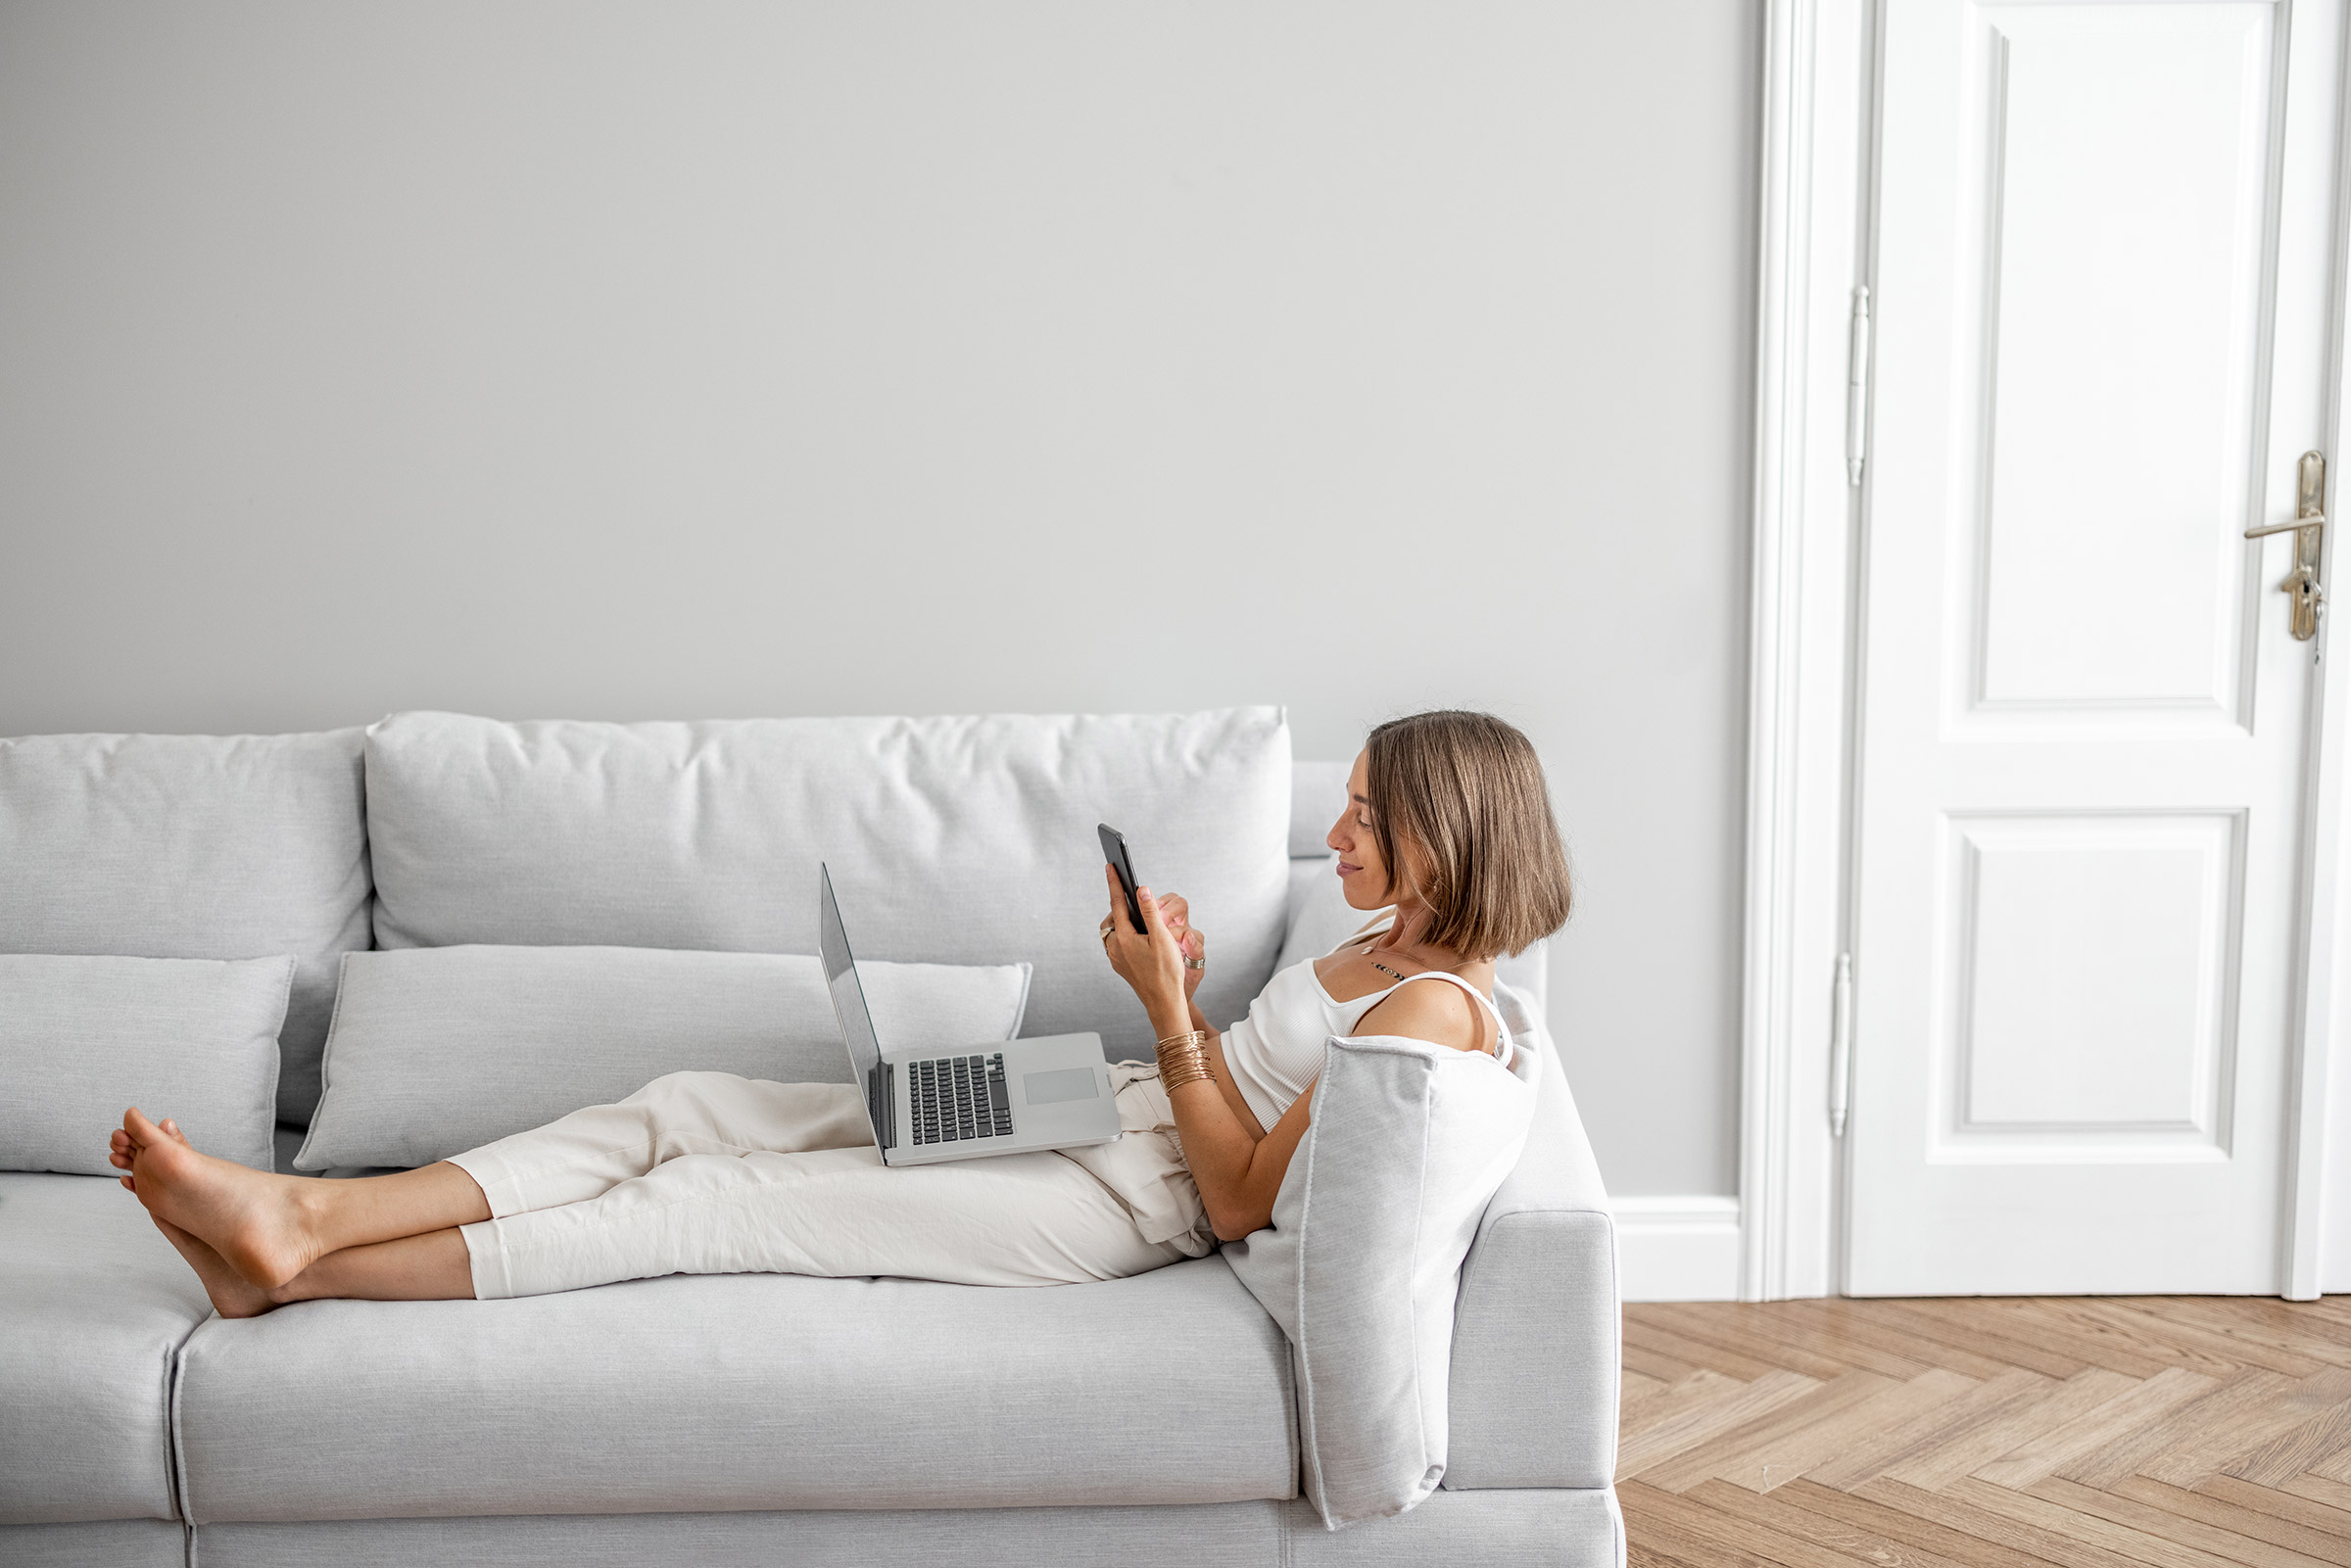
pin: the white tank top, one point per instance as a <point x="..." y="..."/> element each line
<point x="1274" y="1051"/>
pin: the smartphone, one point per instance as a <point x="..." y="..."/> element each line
<point x="1113" y="850"/>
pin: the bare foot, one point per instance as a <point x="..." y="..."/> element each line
<point x="232" y="1294"/>
<point x="121" y="1149"/>
<point x="253" y="1219"/>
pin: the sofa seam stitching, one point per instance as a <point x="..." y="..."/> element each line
<point x="176" y="1466"/>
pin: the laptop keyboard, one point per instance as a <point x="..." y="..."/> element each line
<point x="959" y="1097"/>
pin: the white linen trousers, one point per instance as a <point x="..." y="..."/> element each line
<point x="710" y="1174"/>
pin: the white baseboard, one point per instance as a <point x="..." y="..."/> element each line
<point x="1678" y="1249"/>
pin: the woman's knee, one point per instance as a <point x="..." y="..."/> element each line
<point x="687" y="1084"/>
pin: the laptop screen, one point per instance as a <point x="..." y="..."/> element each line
<point x="849" y="1009"/>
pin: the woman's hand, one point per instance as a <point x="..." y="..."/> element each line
<point x="1177" y="913"/>
<point x="1151" y="960"/>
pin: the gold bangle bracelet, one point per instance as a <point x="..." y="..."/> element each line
<point x="1182" y="1059"/>
<point x="1195" y="1070"/>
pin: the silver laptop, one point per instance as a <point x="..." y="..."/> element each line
<point x="1001" y="1098"/>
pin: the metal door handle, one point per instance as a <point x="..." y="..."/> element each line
<point x="2314" y="520"/>
<point x="2308" y="527"/>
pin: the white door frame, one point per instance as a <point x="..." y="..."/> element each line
<point x="1806" y="619"/>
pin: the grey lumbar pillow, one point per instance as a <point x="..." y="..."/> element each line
<point x="438" y="1050"/>
<point x="1361" y="1263"/>
<point x="190" y="1038"/>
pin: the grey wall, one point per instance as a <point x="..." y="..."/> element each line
<point x="698" y="358"/>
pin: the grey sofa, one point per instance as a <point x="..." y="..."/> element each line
<point x="736" y="1419"/>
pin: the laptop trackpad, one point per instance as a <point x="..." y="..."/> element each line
<point x="1051" y="1088"/>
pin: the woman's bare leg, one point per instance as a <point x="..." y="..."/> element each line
<point x="431" y="1268"/>
<point x="272" y="1228"/>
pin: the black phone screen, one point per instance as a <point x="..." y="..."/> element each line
<point x="1113" y="850"/>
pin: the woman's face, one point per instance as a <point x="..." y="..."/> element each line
<point x="1362" y="871"/>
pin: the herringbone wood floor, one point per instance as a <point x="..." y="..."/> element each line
<point x="2183" y="1432"/>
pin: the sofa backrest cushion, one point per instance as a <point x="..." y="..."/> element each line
<point x="192" y="846"/>
<point x="191" y="1038"/>
<point x="438" y="1050"/>
<point x="951" y="840"/>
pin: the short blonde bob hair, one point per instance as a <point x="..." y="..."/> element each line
<point x="1462" y="816"/>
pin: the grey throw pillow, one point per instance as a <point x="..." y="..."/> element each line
<point x="1361" y="1263"/>
<point x="438" y="1050"/>
<point x="190" y="1038"/>
<point x="192" y="846"/>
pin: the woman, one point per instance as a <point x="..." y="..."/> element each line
<point x="1448" y="826"/>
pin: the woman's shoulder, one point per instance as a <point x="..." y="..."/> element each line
<point x="1438" y="1012"/>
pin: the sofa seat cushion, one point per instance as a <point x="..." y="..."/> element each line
<point x="742" y="1392"/>
<point x="93" y="1303"/>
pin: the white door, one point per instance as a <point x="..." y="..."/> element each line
<point x="2102" y="282"/>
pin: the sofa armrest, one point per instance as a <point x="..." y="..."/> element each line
<point x="1536" y="1352"/>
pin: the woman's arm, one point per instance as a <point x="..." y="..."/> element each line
<point x="1237" y="1169"/>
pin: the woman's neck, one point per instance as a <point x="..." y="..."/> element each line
<point x="1405" y="934"/>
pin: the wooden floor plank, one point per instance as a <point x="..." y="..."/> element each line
<point x="1633" y="1386"/>
<point x="2258" y="1523"/>
<point x="2288" y="1326"/>
<point x="2211" y="1448"/>
<point x="1740" y="1535"/>
<point x="2283" y="1503"/>
<point x="1785" y="1458"/>
<point x="2292" y="1452"/>
<point x="1798" y="1352"/>
<point x="1640" y="1555"/>
<point x="2088" y="1527"/>
<point x="2251" y="1390"/>
<point x="2211" y="1544"/>
<point x="1658" y="1341"/>
<point x="2115" y="1418"/>
<point x="2063" y="1546"/>
<point x="1932" y="1319"/>
<point x="1864" y="1543"/>
<point x="2317" y="1487"/>
<point x="1900" y="1528"/>
<point x="2189" y="1433"/>
<point x="1660" y="1533"/>
<point x="1999" y="1332"/>
<point x="1662" y="1367"/>
<point x="1701" y="1387"/>
<point x="1687" y="1428"/>
<point x="2102" y="1342"/>
<point x="1702" y="1462"/>
<point x="1805" y="1324"/>
<point x="2190" y="1335"/>
<point x="1875" y="1454"/>
<point x="1855" y="1317"/>
<point x="2062" y="1403"/>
